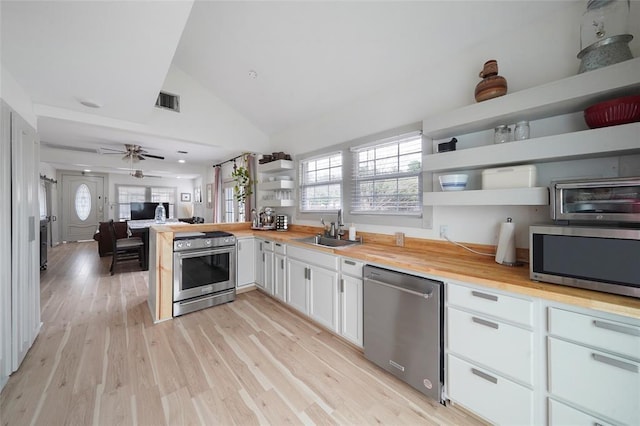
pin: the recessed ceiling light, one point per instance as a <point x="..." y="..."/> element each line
<point x="181" y="161"/>
<point x="87" y="170"/>
<point x="90" y="103"/>
<point x="177" y="177"/>
<point x="253" y="74"/>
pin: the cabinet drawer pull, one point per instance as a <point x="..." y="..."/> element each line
<point x="618" y="328"/>
<point x="278" y="245"/>
<point x="481" y="295"/>
<point x="350" y="262"/>
<point x="485" y="322"/>
<point x="485" y="376"/>
<point x="615" y="363"/>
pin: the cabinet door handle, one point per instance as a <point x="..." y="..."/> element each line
<point x="485" y="376"/>
<point x="263" y="259"/>
<point x="350" y="262"/>
<point x="342" y="285"/>
<point x="615" y="363"/>
<point x="485" y="322"/>
<point x="481" y="295"/>
<point x="282" y="264"/>
<point x="617" y="328"/>
<point x="260" y="246"/>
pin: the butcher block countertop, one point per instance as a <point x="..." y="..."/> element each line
<point x="437" y="259"/>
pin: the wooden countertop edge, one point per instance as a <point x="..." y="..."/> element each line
<point x="447" y="262"/>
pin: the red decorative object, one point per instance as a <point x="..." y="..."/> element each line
<point x="614" y="112"/>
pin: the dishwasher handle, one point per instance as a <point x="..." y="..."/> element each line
<point x="406" y="290"/>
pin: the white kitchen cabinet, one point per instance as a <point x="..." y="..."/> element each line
<point x="491" y="303"/>
<point x="296" y="282"/>
<point x="245" y="262"/>
<point x="489" y="395"/>
<point x="280" y="277"/>
<point x="560" y="98"/>
<point x="264" y="265"/>
<point x="259" y="265"/>
<point x="351" y="300"/>
<point x="594" y="364"/>
<point x="492" y="355"/>
<point x="323" y="296"/>
<point x="502" y="347"/>
<point x="279" y="271"/>
<point x="314" y="275"/>
<point x="563" y="415"/>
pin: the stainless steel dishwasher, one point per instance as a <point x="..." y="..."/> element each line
<point x="403" y="327"/>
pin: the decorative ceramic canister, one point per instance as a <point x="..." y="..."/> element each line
<point x="492" y="85"/>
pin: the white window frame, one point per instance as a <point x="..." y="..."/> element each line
<point x="162" y="195"/>
<point x="374" y="149"/>
<point x="231" y="207"/>
<point x="305" y="184"/>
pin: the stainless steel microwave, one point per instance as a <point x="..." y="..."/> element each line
<point x="595" y="258"/>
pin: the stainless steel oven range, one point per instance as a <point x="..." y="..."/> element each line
<point x="204" y="265"/>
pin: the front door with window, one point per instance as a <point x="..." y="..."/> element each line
<point x="83" y="206"/>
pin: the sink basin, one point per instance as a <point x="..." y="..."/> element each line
<point x="327" y="242"/>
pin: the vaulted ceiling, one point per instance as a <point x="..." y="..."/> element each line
<point x="252" y="68"/>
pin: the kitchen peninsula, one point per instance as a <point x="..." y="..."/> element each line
<point x="419" y="256"/>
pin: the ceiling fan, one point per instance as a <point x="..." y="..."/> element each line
<point x="132" y="153"/>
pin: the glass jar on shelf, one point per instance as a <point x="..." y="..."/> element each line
<point x="502" y="134"/>
<point x="521" y="131"/>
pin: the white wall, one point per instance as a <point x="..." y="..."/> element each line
<point x="202" y="114"/>
<point x="539" y="53"/>
<point x="14" y="95"/>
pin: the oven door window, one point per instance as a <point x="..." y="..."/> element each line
<point x="205" y="269"/>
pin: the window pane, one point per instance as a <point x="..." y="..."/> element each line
<point x="321" y="183"/>
<point x="387" y="176"/>
<point x="83" y="202"/>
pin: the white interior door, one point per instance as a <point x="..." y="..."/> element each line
<point x="83" y="206"/>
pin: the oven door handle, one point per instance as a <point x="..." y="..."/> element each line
<point x="203" y="252"/>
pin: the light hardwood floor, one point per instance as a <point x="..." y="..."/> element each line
<point x="99" y="360"/>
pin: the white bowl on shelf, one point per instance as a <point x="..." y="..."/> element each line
<point x="456" y="182"/>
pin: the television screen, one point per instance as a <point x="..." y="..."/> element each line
<point x="146" y="210"/>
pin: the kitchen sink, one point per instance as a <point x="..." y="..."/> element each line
<point x="328" y="242"/>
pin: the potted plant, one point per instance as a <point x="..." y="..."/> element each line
<point x="243" y="187"/>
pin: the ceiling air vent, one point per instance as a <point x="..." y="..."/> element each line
<point x="168" y="101"/>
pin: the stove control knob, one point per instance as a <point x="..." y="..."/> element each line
<point x="207" y="242"/>
<point x="179" y="244"/>
<point x="188" y="244"/>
